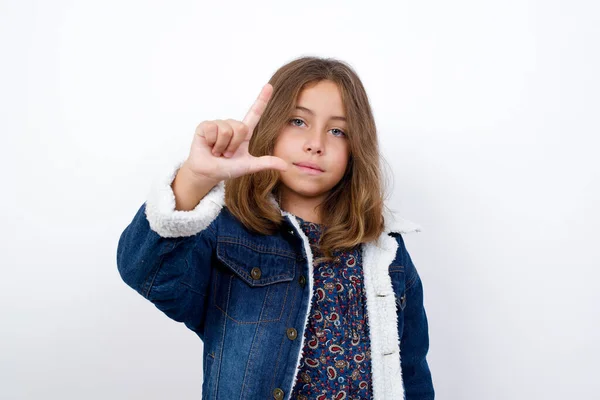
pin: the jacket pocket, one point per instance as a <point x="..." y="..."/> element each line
<point x="252" y="283"/>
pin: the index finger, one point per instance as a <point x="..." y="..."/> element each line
<point x="253" y="116"/>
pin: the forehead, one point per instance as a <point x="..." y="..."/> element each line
<point x="323" y="97"/>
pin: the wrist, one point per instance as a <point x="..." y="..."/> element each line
<point x="197" y="178"/>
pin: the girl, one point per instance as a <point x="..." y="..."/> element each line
<point x="272" y="242"/>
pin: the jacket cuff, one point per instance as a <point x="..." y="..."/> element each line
<point x="171" y="223"/>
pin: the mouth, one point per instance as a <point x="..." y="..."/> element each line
<point x="309" y="168"/>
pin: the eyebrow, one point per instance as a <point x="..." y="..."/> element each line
<point x="311" y="112"/>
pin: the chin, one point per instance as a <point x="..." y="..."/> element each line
<point x="306" y="189"/>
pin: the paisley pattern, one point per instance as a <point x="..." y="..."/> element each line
<point x="336" y="358"/>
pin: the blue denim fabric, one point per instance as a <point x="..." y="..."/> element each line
<point x="240" y="292"/>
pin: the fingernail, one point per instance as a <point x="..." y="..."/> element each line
<point x="228" y="154"/>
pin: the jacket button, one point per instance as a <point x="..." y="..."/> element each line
<point x="302" y="280"/>
<point x="292" y="333"/>
<point x="278" y="394"/>
<point x="255" y="273"/>
<point x="401" y="302"/>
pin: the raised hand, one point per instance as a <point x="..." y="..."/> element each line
<point x="219" y="149"/>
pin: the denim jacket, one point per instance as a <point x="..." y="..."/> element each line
<point x="242" y="293"/>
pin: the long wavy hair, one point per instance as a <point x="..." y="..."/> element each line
<point x="352" y="213"/>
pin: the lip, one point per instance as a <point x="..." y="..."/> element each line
<point x="309" y="167"/>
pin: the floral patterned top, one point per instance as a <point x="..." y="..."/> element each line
<point x="336" y="358"/>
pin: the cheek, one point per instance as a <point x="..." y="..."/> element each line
<point x="277" y="148"/>
<point x="284" y="145"/>
<point x="341" y="159"/>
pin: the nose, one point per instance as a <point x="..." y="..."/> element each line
<point x="314" y="143"/>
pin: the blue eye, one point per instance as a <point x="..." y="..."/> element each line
<point x="296" y="119"/>
<point x="339" y="133"/>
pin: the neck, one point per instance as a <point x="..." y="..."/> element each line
<point x="307" y="208"/>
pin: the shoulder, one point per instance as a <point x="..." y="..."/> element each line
<point x="396" y="227"/>
<point x="394" y="223"/>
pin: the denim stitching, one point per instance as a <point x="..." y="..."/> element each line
<point x="254" y="340"/>
<point x="277" y="362"/>
<point x="260" y="248"/>
<point x="222" y="341"/>
<point x="396" y="268"/>
<point x="282" y="341"/>
<point x="228" y="294"/>
<point x="287" y="289"/>
<point x="241" y="271"/>
<point x="411" y="282"/>
<point x="246" y="322"/>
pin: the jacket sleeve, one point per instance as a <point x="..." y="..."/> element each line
<point x="414" y="343"/>
<point x="165" y="255"/>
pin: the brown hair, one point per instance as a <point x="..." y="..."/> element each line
<point x="353" y="211"/>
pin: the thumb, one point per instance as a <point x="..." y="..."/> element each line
<point x="267" y="162"/>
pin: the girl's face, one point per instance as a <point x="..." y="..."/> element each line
<point x="314" y="143"/>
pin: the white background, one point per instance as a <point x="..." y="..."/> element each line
<point x="488" y="117"/>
